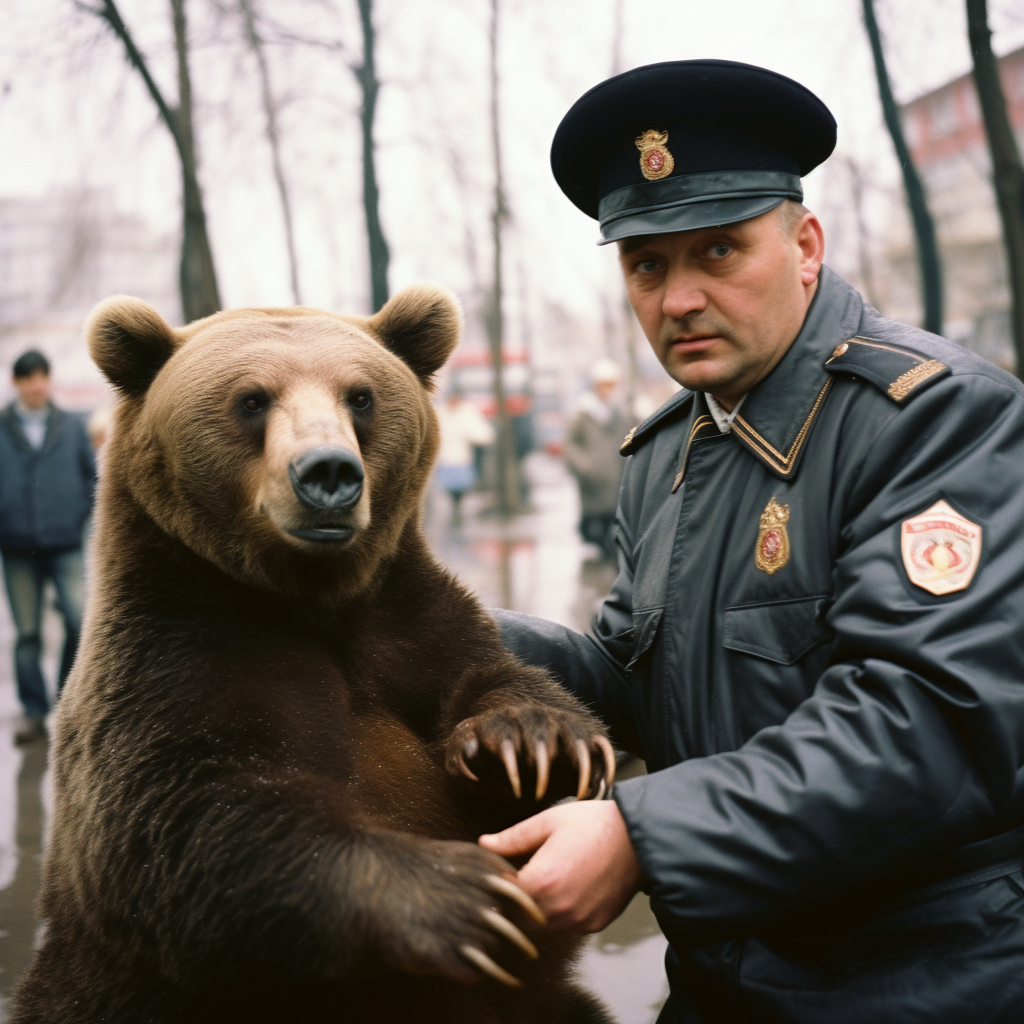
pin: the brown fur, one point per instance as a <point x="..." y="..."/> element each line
<point x="253" y="820"/>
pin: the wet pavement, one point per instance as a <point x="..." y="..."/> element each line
<point x="536" y="563"/>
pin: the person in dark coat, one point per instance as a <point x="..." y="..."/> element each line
<point x="47" y="480"/>
<point x="592" y="455"/>
<point x="816" y="638"/>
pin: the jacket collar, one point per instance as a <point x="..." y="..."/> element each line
<point x="780" y="411"/>
<point x="54" y="426"/>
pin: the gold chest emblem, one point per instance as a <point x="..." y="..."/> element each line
<point x="772" y="551"/>
<point x="655" y="160"/>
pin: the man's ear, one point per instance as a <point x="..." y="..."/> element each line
<point x="811" y="239"/>
<point x="129" y="341"/>
<point x="421" y="325"/>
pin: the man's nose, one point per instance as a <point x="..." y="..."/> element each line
<point x="682" y="295"/>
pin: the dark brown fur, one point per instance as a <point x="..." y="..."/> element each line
<point x="253" y="820"/>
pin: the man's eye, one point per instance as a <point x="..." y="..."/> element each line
<point x="716" y="252"/>
<point x="646" y="266"/>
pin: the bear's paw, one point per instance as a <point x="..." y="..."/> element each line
<point x="559" y="751"/>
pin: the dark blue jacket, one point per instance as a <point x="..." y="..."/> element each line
<point x="816" y="642"/>
<point x="45" y="494"/>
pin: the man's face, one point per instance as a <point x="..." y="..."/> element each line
<point x="33" y="390"/>
<point x="720" y="306"/>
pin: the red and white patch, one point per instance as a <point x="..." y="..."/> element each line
<point x="941" y="549"/>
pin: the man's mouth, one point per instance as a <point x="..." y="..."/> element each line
<point x="694" y="343"/>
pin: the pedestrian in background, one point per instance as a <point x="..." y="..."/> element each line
<point x="592" y="454"/>
<point x="463" y="428"/>
<point x="47" y="479"/>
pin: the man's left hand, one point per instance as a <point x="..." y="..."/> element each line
<point x="584" y="870"/>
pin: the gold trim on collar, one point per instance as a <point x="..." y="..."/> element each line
<point x="698" y="425"/>
<point x="781" y="463"/>
<point x="629" y="439"/>
<point x="906" y="382"/>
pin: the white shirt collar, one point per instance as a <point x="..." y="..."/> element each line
<point x="723" y="420"/>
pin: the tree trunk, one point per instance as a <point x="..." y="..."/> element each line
<point x="509" y="487"/>
<point x="366" y="73"/>
<point x="274" y="138"/>
<point x="924" y="228"/>
<point x="200" y="295"/>
<point x="629" y="338"/>
<point x="1007" y="170"/>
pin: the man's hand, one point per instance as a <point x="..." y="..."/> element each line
<point x="584" y="870"/>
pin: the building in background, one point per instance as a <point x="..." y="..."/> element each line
<point x="947" y="140"/>
<point x="59" y="256"/>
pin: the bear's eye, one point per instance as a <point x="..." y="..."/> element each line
<point x="360" y="400"/>
<point x="255" y="403"/>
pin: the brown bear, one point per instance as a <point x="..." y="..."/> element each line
<point x="287" y="724"/>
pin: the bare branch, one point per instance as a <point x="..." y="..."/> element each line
<point x="112" y="16"/>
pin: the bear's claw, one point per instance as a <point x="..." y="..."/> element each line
<point x="469" y="749"/>
<point x="508" y="758"/>
<point x="609" y="767"/>
<point x="510" y="931"/>
<point x="543" y="769"/>
<point x="514" y="893"/>
<point x="481" y="960"/>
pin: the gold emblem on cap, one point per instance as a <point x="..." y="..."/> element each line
<point x="655" y="159"/>
<point x="772" y="551"/>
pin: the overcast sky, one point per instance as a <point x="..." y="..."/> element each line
<point x="72" y="114"/>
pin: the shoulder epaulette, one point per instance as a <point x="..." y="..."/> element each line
<point x="672" y="410"/>
<point x="899" y="371"/>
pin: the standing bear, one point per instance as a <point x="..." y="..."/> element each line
<point x="287" y="724"/>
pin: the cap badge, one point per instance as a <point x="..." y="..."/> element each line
<point x="940" y="549"/>
<point x="772" y="551"/>
<point x="655" y="159"/>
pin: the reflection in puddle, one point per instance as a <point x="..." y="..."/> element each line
<point x="622" y="965"/>
<point x="22" y="781"/>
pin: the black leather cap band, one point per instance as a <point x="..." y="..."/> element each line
<point x="694" y="201"/>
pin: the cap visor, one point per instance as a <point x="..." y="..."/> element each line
<point x="688" y="217"/>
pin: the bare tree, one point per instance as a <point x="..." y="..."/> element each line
<point x="366" y="74"/>
<point x="509" y="485"/>
<point x="255" y="41"/>
<point x="629" y="337"/>
<point x="200" y="295"/>
<point x="864" y="261"/>
<point x="1007" y="169"/>
<point x="924" y="227"/>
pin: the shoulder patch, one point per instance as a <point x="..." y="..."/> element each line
<point x="678" y="405"/>
<point x="899" y="371"/>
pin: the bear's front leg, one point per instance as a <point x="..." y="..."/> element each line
<point x="558" y="751"/>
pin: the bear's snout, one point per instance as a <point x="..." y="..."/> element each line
<point x="327" y="479"/>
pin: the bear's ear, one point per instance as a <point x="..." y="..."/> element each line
<point x="129" y="341"/>
<point x="421" y="325"/>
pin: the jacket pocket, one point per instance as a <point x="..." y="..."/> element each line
<point x="779" y="631"/>
<point x="645" y="629"/>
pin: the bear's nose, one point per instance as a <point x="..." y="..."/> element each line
<point x="327" y="478"/>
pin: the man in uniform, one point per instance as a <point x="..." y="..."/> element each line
<point x="816" y="638"/>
